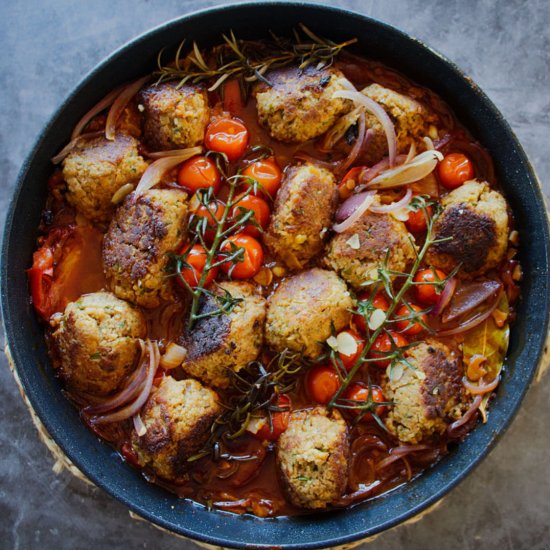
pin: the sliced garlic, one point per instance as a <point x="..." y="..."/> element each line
<point x="332" y="342"/>
<point x="347" y="344"/>
<point x="401" y="214"/>
<point x="376" y="319"/>
<point x="421" y="375"/>
<point x="255" y="424"/>
<point x="395" y="371"/>
<point x="353" y="242"/>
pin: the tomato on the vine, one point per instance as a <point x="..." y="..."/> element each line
<point x="211" y="215"/>
<point x="360" y="392"/>
<point x="385" y="343"/>
<point x="268" y="175"/>
<point x="259" y="207"/>
<point x="279" y="421"/>
<point x="378" y="302"/>
<point x="427" y="288"/>
<point x="454" y="170"/>
<point x="251" y="260"/>
<point x="322" y="383"/>
<point x="410" y="327"/>
<point x="196" y="258"/>
<point x="199" y="172"/>
<point x="349" y="360"/>
<point x="228" y="136"/>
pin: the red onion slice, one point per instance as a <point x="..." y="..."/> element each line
<point x="471" y="323"/>
<point x="367" y="199"/>
<point x="134" y="408"/>
<point x="480" y="389"/>
<point x="123" y="98"/>
<point x="72" y="144"/>
<point x="386" y="208"/>
<point x="107" y="101"/>
<point x="370" y="173"/>
<point x="362" y="138"/>
<point x="399" y="452"/>
<point x="468" y="296"/>
<point x="375" y="109"/>
<point x="157" y="169"/>
<point x="421" y="166"/>
<point x="445" y="297"/>
<point x="466" y="416"/>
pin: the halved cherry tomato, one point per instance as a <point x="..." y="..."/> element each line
<point x="197" y="260"/>
<point x="454" y="170"/>
<point x="279" y="421"/>
<point x="349" y="360"/>
<point x="227" y="135"/>
<point x="416" y="222"/>
<point x="232" y="98"/>
<point x="214" y="212"/>
<point x="428" y="294"/>
<point x="40" y="279"/>
<point x="267" y="173"/>
<point x="360" y="392"/>
<point x="260" y="216"/>
<point x="199" y="172"/>
<point x="384" y="344"/>
<point x="322" y="382"/>
<point x="349" y="182"/>
<point x="379" y="302"/>
<point x="252" y="260"/>
<point x="410" y="327"/>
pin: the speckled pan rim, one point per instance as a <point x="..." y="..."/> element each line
<point x="230" y="539"/>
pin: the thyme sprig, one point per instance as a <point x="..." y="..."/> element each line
<point x="253" y="393"/>
<point x="248" y="60"/>
<point x="387" y="279"/>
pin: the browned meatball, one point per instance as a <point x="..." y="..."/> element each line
<point x="96" y="169"/>
<point x="475" y="222"/>
<point x="426" y="397"/>
<point x="177" y="416"/>
<point x="372" y="241"/>
<point x="220" y="344"/>
<point x="298" y="106"/>
<point x="136" y="247"/>
<point x="312" y="456"/>
<point x="96" y="342"/>
<point x="303" y="214"/>
<point x="304" y="309"/>
<point x="174" y="118"/>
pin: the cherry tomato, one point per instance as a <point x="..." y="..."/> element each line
<point x="349" y="360"/>
<point x="379" y="302"/>
<point x="279" y="421"/>
<point x="196" y="260"/>
<point x="322" y="382"/>
<point x="227" y="135"/>
<point x="199" y="173"/>
<point x="349" y="182"/>
<point x="454" y="170"/>
<point x="260" y="216"/>
<point x="267" y="173"/>
<point x="383" y="344"/>
<point x="410" y="327"/>
<point x="216" y="213"/>
<point x="428" y="294"/>
<point x="252" y="260"/>
<point x="416" y="222"/>
<point x="360" y="392"/>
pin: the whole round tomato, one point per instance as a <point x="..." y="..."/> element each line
<point x="322" y="383"/>
<point x="227" y="135"/>
<point x="385" y="343"/>
<point x="427" y="289"/>
<point x="454" y="170"/>
<point x="267" y="173"/>
<point x="196" y="258"/>
<point x="209" y="216"/>
<point x="410" y="327"/>
<point x="199" y="172"/>
<point x="260" y="209"/>
<point x="252" y="259"/>
<point x="378" y="302"/>
<point x="359" y="392"/>
<point x="279" y="421"/>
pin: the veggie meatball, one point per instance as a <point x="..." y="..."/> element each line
<point x="427" y="396"/>
<point x="177" y="418"/>
<point x="96" y="169"/>
<point x="219" y="344"/>
<point x="174" y="118"/>
<point x="304" y="309"/>
<point x="312" y="456"/>
<point x="358" y="252"/>
<point x="96" y="342"/>
<point x="411" y="120"/>
<point x="135" y="249"/>
<point x="303" y="213"/>
<point x="298" y="106"/>
<point x="475" y="223"/>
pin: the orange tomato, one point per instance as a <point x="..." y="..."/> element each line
<point x="322" y="382"/>
<point x="349" y="360"/>
<point x="192" y="274"/>
<point x="261" y="213"/>
<point x="379" y="302"/>
<point x="217" y="209"/>
<point x="383" y="345"/>
<point x="410" y="327"/>
<point x="360" y="392"/>
<point x="232" y="98"/>
<point x="454" y="170"/>
<point x="416" y="222"/>
<point x="267" y="173"/>
<point x="279" y="421"/>
<point x="199" y="172"/>
<point x="428" y="294"/>
<point x="227" y="135"/>
<point x="252" y="259"/>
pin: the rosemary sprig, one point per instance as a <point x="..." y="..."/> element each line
<point x="249" y="60"/>
<point x="397" y="297"/>
<point x="253" y="393"/>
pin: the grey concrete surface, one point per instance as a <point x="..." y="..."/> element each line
<point x="47" y="46"/>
